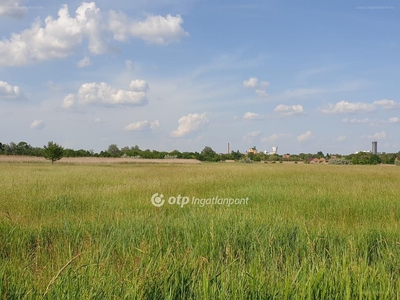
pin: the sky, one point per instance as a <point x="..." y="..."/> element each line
<point x="305" y="76"/>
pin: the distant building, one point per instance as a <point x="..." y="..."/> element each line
<point x="374" y="147"/>
<point x="274" y="151"/>
<point x="253" y="150"/>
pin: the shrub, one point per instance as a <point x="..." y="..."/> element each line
<point x="245" y="160"/>
<point x="339" y="161"/>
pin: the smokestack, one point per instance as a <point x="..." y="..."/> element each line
<point x="228" y="149"/>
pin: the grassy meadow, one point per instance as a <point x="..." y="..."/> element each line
<point x="88" y="231"/>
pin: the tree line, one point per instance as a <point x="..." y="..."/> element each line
<point x="53" y="151"/>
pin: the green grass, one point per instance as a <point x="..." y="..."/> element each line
<point x="91" y="232"/>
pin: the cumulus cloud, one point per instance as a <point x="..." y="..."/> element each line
<point x="103" y="94"/>
<point x="84" y="62"/>
<point x="341" y="138"/>
<point x="259" y="87"/>
<point x="305" y="136"/>
<point x="274" y="137"/>
<point x="251" y="82"/>
<point x="387" y="104"/>
<point x="344" y="107"/>
<point x="190" y="124"/>
<point x="12" y="8"/>
<point x="139" y="85"/>
<point x="252" y="116"/>
<point x="38" y="124"/>
<point x="142" y="126"/>
<point x="154" y="29"/>
<point x="394" y="120"/>
<point x="289" y="110"/>
<point x="378" y="136"/>
<point x="8" y="91"/>
<point x="58" y="38"/>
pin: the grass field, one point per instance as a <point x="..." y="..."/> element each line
<point x="87" y="231"/>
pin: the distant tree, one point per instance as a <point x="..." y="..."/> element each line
<point x="365" y="158"/>
<point x="23" y="148"/>
<point x="12" y="148"/>
<point x="251" y="155"/>
<point x="53" y="152"/>
<point x="113" y="150"/>
<point x="236" y="155"/>
<point x="1" y="148"/>
<point x="177" y="153"/>
<point x="209" y="154"/>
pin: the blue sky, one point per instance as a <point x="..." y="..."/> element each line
<point x="175" y="74"/>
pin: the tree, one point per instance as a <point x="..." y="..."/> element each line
<point x="113" y="150"/>
<point x="53" y="152"/>
<point x="208" y="154"/>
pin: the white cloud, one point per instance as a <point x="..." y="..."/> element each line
<point x="154" y="29"/>
<point x="101" y="93"/>
<point x="341" y="138"/>
<point x="142" y="125"/>
<point x="8" y="91"/>
<point x="289" y="110"/>
<point x="58" y="38"/>
<point x="394" y="120"/>
<point x="305" y="136"/>
<point x="189" y="124"/>
<point x="84" y="62"/>
<point x="344" y="107"/>
<point x="251" y="82"/>
<point x="38" y="124"/>
<point x="139" y="85"/>
<point x="68" y="101"/>
<point x="252" y="116"/>
<point x="378" y="136"/>
<point x="98" y="120"/>
<point x="12" y="8"/>
<point x="387" y="104"/>
<point x="274" y="137"/>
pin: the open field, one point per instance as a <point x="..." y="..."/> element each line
<point x="89" y="231"/>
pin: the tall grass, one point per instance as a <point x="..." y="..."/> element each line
<point x="91" y="232"/>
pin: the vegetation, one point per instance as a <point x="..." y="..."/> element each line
<point x="53" y="152"/>
<point x="207" y="154"/>
<point x="339" y="161"/>
<point x="320" y="232"/>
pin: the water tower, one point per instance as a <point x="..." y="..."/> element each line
<point x="275" y="150"/>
